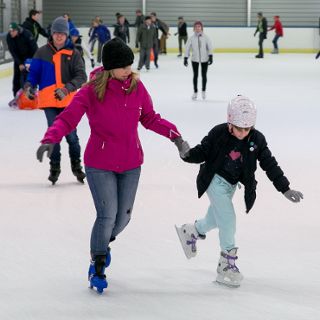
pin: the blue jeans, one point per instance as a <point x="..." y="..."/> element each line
<point x="72" y="138"/>
<point x="275" y="41"/>
<point x="113" y="195"/>
<point x="220" y="213"/>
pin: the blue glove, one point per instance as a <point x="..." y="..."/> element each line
<point x="294" y="196"/>
<point x="43" y="148"/>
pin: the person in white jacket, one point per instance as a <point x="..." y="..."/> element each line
<point x="201" y="47"/>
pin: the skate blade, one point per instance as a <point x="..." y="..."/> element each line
<point x="187" y="254"/>
<point x="222" y="282"/>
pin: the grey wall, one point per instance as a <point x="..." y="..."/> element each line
<point x="210" y="12"/>
<point x="298" y="13"/>
<point x="83" y="11"/>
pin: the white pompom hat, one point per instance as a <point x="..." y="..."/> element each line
<point x="242" y="112"/>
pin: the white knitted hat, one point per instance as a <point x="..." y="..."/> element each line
<point x="242" y="112"/>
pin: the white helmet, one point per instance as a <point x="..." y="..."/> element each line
<point x="242" y="112"/>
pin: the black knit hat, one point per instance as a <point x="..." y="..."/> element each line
<point x="116" y="54"/>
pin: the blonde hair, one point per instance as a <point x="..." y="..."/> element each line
<point x="100" y="83"/>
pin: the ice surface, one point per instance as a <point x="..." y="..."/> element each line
<point x="45" y="230"/>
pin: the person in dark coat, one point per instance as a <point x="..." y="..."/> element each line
<point x="121" y="30"/>
<point x="22" y="46"/>
<point x="163" y="27"/>
<point x="262" y="28"/>
<point x="146" y="38"/>
<point x="228" y="156"/>
<point x="31" y="23"/>
<point x="182" y="34"/>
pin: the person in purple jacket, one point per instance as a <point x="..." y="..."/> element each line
<point x="115" y="101"/>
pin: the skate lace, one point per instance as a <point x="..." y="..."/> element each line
<point x="192" y="242"/>
<point x="231" y="263"/>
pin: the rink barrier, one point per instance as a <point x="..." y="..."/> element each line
<point x="8" y="71"/>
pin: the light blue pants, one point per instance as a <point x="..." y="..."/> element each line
<point x="220" y="213"/>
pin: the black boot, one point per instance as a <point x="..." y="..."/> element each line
<point x="77" y="170"/>
<point x="54" y="172"/>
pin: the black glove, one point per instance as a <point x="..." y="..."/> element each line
<point x="183" y="147"/>
<point x="43" y="148"/>
<point x="255" y="34"/>
<point x="30" y="92"/>
<point x="185" y="61"/>
<point x="61" y="93"/>
<point x="318" y="55"/>
<point x="92" y="63"/>
<point x="210" y="59"/>
<point x="137" y="46"/>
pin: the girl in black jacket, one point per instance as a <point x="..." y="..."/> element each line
<point x="229" y="155"/>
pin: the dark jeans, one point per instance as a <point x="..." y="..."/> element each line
<point x="72" y="138"/>
<point x="204" y="69"/>
<point x="144" y="58"/>
<point x="19" y="78"/>
<point x="275" y="41"/>
<point x="156" y="51"/>
<point x="180" y="39"/>
<point x="113" y="195"/>
<point x="261" y="38"/>
<point x="99" y="53"/>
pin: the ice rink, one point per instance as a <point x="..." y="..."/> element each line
<point x="45" y="230"/>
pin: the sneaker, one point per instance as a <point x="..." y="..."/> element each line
<point x="203" y="93"/>
<point x="228" y="272"/>
<point x="259" y="56"/>
<point x="194" y="96"/>
<point x="188" y="236"/>
<point x="179" y="55"/>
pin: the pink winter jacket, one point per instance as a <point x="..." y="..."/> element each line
<point x="114" y="142"/>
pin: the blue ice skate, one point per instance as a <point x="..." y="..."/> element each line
<point x="96" y="275"/>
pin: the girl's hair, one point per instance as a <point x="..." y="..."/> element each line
<point x="100" y="83"/>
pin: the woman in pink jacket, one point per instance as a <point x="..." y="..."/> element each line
<point x="115" y="101"/>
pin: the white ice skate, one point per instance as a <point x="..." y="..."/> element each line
<point x="228" y="273"/>
<point x="188" y="236"/>
<point x="194" y="96"/>
<point x="203" y="93"/>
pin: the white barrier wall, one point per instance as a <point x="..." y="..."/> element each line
<point x="242" y="38"/>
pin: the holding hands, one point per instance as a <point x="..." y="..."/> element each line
<point x="183" y="147"/>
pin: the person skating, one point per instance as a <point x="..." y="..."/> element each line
<point x="182" y="34"/>
<point x="59" y="71"/>
<point x="32" y="24"/>
<point x="277" y="26"/>
<point x="115" y="101"/>
<point x="229" y="155"/>
<point x="262" y="29"/>
<point x="146" y="37"/>
<point x="22" y="46"/>
<point x="76" y="39"/>
<point x="201" y="47"/>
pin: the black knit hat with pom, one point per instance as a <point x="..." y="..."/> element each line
<point x="116" y="54"/>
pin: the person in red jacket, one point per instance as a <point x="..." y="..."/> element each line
<point x="115" y="101"/>
<point x="279" y="33"/>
